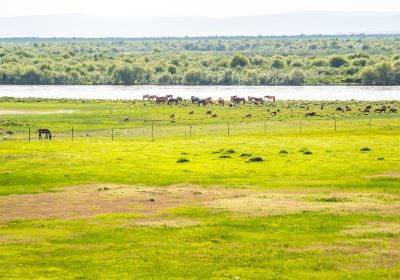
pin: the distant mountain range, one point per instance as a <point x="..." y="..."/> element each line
<point x="308" y="23"/>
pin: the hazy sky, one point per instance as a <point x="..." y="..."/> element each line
<point x="168" y="8"/>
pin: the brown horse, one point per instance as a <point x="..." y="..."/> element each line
<point x="146" y="97"/>
<point x="238" y="100"/>
<point x="208" y="100"/>
<point x="221" y="101"/>
<point x="270" y="98"/>
<point x="173" y="100"/>
<point x="160" y="100"/>
<point x="255" y="100"/>
<point x="152" y="97"/>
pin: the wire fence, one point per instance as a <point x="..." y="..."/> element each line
<point x="167" y="129"/>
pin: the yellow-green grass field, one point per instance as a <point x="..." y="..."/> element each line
<point x="272" y="200"/>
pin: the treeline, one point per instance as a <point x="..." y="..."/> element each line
<point x="321" y="61"/>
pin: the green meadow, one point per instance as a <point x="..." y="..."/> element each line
<point x="136" y="194"/>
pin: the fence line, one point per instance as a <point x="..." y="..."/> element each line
<point x="227" y="128"/>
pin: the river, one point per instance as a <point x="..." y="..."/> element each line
<point x="136" y="92"/>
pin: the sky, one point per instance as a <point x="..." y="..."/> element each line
<point x="199" y="8"/>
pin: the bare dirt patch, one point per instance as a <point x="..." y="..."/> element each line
<point x="374" y="227"/>
<point x="150" y="202"/>
<point x="287" y="203"/>
<point x="386" y="175"/>
<point x="91" y="200"/>
<point x="26" y="112"/>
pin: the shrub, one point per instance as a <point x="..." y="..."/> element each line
<point x="256" y="159"/>
<point x="225" y="156"/>
<point x="182" y="160"/>
<point x="332" y="199"/>
<point x="245" y="155"/>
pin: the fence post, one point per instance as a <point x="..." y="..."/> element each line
<point x="300" y="125"/>
<point x="265" y="126"/>
<point x="152" y="129"/>
<point x="228" y="129"/>
<point x="112" y="134"/>
<point x="335" y="125"/>
<point x="72" y="134"/>
<point x="29" y="133"/>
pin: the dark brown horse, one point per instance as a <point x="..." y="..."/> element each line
<point x="160" y="100"/>
<point x="45" y="132"/>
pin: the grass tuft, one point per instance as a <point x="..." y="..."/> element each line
<point x="182" y="160"/>
<point x="256" y="159"/>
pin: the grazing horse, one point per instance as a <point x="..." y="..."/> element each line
<point x="46" y="132"/>
<point x="209" y="113"/>
<point x="169" y="96"/>
<point x="146" y="96"/>
<point x="173" y="100"/>
<point x="194" y="99"/>
<point x="160" y="100"/>
<point x="255" y="100"/>
<point x="311" y="114"/>
<point x="152" y="97"/>
<point x="393" y="110"/>
<point x="208" y="100"/>
<point x="270" y="98"/>
<point x="201" y="102"/>
<point x="214" y="116"/>
<point x="221" y="101"/>
<point x="381" y="109"/>
<point x="126" y="120"/>
<point x="273" y="114"/>
<point x="191" y="113"/>
<point x="237" y="100"/>
<point x="340" y="109"/>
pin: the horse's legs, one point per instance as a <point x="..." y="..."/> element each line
<point x="49" y="136"/>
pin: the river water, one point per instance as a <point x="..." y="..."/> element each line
<point x="136" y="92"/>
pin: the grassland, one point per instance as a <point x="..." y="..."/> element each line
<point x="319" y="205"/>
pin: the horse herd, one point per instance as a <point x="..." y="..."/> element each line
<point x="169" y="99"/>
<point x="234" y="101"/>
<point x="366" y="110"/>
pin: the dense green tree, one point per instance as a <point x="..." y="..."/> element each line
<point x="337" y="61"/>
<point x="296" y="77"/>
<point x="193" y="77"/>
<point x="239" y="60"/>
